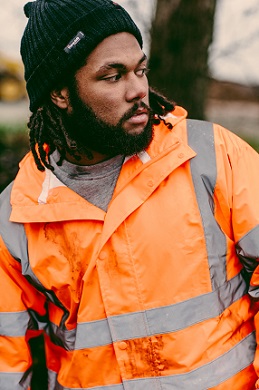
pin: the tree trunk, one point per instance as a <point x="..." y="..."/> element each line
<point x="180" y="38"/>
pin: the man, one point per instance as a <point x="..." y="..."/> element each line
<point x="130" y="235"/>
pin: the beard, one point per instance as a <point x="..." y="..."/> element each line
<point x="90" y="133"/>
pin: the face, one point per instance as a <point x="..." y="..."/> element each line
<point x="109" y="109"/>
<point x="113" y="79"/>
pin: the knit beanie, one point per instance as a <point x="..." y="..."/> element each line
<point x="59" y="36"/>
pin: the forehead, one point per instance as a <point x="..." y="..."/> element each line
<point x="119" y="48"/>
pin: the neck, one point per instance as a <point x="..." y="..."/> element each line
<point x="90" y="158"/>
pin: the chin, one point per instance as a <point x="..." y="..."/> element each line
<point x="135" y="130"/>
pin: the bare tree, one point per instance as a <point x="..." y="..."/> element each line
<point x="142" y="13"/>
<point x="181" y="34"/>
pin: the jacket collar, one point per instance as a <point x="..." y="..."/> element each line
<point x="41" y="197"/>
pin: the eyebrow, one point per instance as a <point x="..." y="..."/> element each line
<point x="118" y="65"/>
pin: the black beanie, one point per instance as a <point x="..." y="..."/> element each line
<point x="60" y="34"/>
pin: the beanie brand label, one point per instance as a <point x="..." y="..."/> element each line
<point x="74" y="41"/>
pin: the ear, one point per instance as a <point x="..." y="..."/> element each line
<point x="60" y="97"/>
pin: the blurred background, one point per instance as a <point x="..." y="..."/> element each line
<point x="203" y="54"/>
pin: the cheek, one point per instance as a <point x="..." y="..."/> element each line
<point x="108" y="109"/>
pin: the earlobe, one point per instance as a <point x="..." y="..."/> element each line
<point x="60" y="97"/>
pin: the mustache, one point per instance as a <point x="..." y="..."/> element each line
<point x="133" y="110"/>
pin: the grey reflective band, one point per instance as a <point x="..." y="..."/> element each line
<point x="62" y="336"/>
<point x="52" y="380"/>
<point x="14" y="324"/>
<point x="14" y="381"/>
<point x="149" y="323"/>
<point x="204" y="173"/>
<point x="249" y="244"/>
<point x="176" y="317"/>
<point x="12" y="233"/>
<point x="99" y="334"/>
<point x="248" y="250"/>
<point x="204" y="377"/>
<point x="207" y="376"/>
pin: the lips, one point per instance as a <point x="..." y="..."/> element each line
<point x="140" y="116"/>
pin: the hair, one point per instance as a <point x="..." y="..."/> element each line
<point x="47" y="131"/>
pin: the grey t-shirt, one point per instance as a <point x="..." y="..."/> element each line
<point x="95" y="183"/>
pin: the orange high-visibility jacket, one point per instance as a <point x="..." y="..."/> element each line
<point x="152" y="294"/>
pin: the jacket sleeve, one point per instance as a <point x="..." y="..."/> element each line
<point x="237" y="198"/>
<point x="244" y="162"/>
<point x="247" y="226"/>
<point x="20" y="305"/>
<point x="240" y="164"/>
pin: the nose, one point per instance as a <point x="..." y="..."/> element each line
<point x="137" y="88"/>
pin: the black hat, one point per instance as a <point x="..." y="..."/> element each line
<point x="60" y="34"/>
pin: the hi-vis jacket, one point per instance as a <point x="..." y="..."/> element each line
<point x="153" y="294"/>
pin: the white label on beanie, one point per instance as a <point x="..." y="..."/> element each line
<point x="74" y="41"/>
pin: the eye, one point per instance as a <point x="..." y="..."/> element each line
<point x="142" y="72"/>
<point x="114" y="78"/>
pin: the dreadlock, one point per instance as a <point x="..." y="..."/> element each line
<point x="47" y="131"/>
<point x="160" y="106"/>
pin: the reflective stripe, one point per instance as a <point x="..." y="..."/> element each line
<point x="176" y="317"/>
<point x="205" y="377"/>
<point x="143" y="156"/>
<point x="209" y="375"/>
<point x="14" y="381"/>
<point x="248" y="249"/>
<point x="219" y="370"/>
<point x="249" y="244"/>
<point x="51" y="181"/>
<point x="52" y="380"/>
<point x="154" y="321"/>
<point x="61" y="336"/>
<point x="14" y="324"/>
<point x="204" y="173"/>
<point x="93" y="334"/>
<point x="12" y="233"/>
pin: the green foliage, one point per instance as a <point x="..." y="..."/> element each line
<point x="14" y="144"/>
<point x="253" y="142"/>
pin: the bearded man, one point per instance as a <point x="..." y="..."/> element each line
<point x="130" y="236"/>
